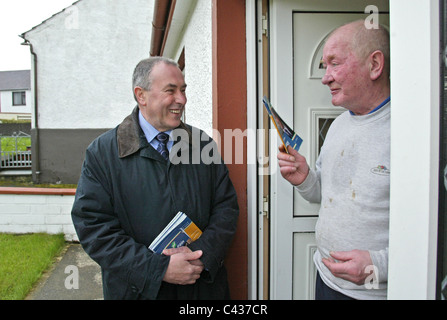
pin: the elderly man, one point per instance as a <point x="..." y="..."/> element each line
<point x="351" y="180"/>
<point x="129" y="190"/>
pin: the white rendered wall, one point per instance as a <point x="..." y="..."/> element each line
<point x="86" y="57"/>
<point x="198" y="70"/>
<point x="32" y="213"/>
<point x="194" y="34"/>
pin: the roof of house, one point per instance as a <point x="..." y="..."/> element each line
<point x="43" y="22"/>
<point x="15" y="80"/>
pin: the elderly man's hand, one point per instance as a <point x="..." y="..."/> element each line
<point x="293" y="166"/>
<point x="349" y="265"/>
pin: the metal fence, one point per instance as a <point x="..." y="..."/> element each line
<point x="15" y="151"/>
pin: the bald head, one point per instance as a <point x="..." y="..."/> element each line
<point x="363" y="41"/>
<point x="357" y="67"/>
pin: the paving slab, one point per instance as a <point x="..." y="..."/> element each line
<point x="74" y="277"/>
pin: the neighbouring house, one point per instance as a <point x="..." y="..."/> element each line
<point x="234" y="52"/>
<point x="82" y="60"/>
<point x="15" y="95"/>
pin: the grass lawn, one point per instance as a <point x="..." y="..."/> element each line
<point x="9" y="143"/>
<point x="23" y="259"/>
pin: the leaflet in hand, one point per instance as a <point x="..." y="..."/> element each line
<point x="288" y="137"/>
<point x="179" y="232"/>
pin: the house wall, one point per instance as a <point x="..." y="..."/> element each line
<point x="85" y="59"/>
<point x="198" y="67"/>
<point x="195" y="38"/>
<point x="61" y="153"/>
<point x="6" y="103"/>
<point x="230" y="112"/>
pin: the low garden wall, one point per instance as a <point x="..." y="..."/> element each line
<point x="32" y="210"/>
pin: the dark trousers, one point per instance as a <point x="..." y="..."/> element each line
<point x="323" y="292"/>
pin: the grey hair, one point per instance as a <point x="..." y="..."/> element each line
<point x="142" y="73"/>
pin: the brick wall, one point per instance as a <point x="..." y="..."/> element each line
<point x="32" y="210"/>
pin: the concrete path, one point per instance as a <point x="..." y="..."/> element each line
<point x="75" y="277"/>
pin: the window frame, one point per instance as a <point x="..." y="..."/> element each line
<point x="22" y="98"/>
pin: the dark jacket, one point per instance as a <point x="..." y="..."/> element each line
<point x="128" y="193"/>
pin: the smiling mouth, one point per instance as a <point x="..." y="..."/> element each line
<point x="175" y="111"/>
<point x="334" y="91"/>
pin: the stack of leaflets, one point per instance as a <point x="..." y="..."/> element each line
<point x="179" y="232"/>
<point x="288" y="137"/>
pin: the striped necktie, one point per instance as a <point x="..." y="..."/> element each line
<point x="163" y="139"/>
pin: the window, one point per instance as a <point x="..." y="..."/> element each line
<point x="19" y="98"/>
<point x="320" y="120"/>
<point x="323" y="127"/>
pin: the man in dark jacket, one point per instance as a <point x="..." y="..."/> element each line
<point x="128" y="192"/>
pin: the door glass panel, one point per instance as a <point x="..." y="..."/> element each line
<point x="323" y="127"/>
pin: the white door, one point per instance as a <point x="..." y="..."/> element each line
<point x="298" y="31"/>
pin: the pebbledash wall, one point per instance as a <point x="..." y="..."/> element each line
<point x="82" y="62"/>
<point x="84" y="59"/>
<point x="33" y="210"/>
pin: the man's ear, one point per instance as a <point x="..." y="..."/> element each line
<point x="376" y="64"/>
<point x="140" y="95"/>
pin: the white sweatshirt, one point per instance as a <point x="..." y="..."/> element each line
<point x="353" y="170"/>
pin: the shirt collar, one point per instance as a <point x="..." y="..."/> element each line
<point x="149" y="131"/>
<point x="377" y="108"/>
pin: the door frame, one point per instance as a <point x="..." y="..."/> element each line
<point x="414" y="184"/>
<point x="257" y="161"/>
<point x="402" y="230"/>
<point x="252" y="149"/>
<point x="282" y="97"/>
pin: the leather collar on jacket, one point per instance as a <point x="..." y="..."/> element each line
<point x="129" y="131"/>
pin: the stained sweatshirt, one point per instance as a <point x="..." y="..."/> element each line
<point x="351" y="180"/>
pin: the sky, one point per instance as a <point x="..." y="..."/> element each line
<point x="16" y="17"/>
